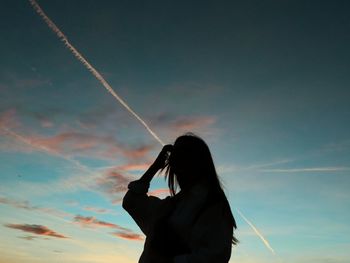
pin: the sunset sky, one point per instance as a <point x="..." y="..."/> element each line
<point x="265" y="83"/>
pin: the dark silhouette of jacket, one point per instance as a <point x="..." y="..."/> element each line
<point x="186" y="228"/>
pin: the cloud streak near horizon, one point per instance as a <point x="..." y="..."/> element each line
<point x="36" y="229"/>
<point x="307" y="169"/>
<point x="93" y="222"/>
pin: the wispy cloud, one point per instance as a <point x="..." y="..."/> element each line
<point x="113" y="184"/>
<point x="160" y="192"/>
<point x="18" y="204"/>
<point x="98" y="210"/>
<point x="129" y="236"/>
<point x="28" y="206"/>
<point x="134" y="167"/>
<point x="90" y="221"/>
<point x="94" y="209"/>
<point x="69" y="144"/>
<point x="139" y="152"/>
<point x="263" y="167"/>
<point x="106" y="181"/>
<point x="36" y="229"/>
<point x="76" y="143"/>
<point x="42" y="147"/>
<point x="93" y="222"/>
<point x="254" y="167"/>
<point x="184" y="124"/>
<point x="307" y="169"/>
<point x="109" y="182"/>
<point x="177" y="125"/>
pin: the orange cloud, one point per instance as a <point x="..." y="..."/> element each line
<point x="36" y="229"/>
<point x="69" y="141"/>
<point x="138" y="152"/>
<point x="78" y="143"/>
<point x="174" y="126"/>
<point x="27" y="206"/>
<point x="98" y="210"/>
<point x="160" y="192"/>
<point x="122" y="232"/>
<point x="113" y="184"/>
<point x="128" y="235"/>
<point x="134" y="167"/>
<point x="90" y="221"/>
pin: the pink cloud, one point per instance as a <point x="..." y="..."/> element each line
<point x="128" y="235"/>
<point x="134" y="167"/>
<point x="68" y="141"/>
<point x="98" y="210"/>
<point x="93" y="222"/>
<point x="27" y="206"/>
<point x="113" y="184"/>
<point x="139" y="152"/>
<point x="174" y="126"/>
<point x="160" y="192"/>
<point x="78" y="143"/>
<point x="36" y="229"/>
<point x="90" y="221"/>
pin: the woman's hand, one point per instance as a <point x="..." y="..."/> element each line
<point x="160" y="162"/>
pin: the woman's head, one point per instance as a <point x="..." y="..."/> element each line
<point x="190" y="162"/>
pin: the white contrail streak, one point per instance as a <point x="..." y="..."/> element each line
<point x="100" y="78"/>
<point x="267" y="244"/>
<point x="94" y="72"/>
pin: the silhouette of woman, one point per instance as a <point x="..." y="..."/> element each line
<point x="194" y="225"/>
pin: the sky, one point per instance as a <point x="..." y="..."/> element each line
<point x="264" y="83"/>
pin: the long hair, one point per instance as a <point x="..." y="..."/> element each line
<point x="194" y="155"/>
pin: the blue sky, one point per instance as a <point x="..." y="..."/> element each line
<point x="266" y="84"/>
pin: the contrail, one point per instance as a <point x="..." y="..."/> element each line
<point x="267" y="244"/>
<point x="94" y="72"/>
<point x="100" y="78"/>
